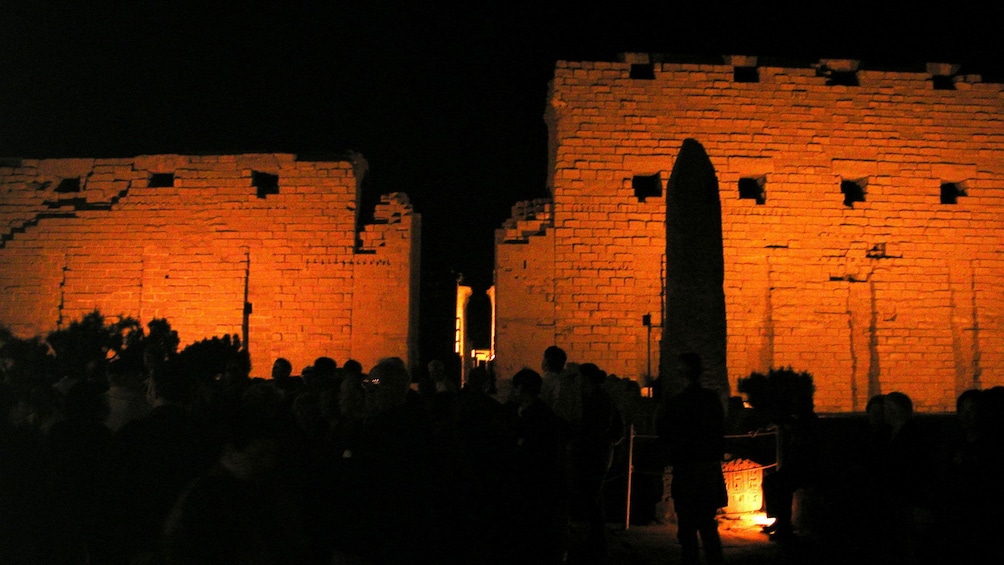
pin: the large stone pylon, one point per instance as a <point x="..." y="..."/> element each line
<point x="695" y="270"/>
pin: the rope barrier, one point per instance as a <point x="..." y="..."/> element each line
<point x="772" y="432"/>
<point x="749" y="435"/>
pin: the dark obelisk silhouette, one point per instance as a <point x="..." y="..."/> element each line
<point x="695" y="270"/>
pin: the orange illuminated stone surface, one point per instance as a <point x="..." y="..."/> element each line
<point x="862" y="214"/>
<point x="264" y="246"/>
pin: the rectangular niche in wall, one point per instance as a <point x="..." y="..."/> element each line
<point x="71" y="184"/>
<point x="161" y="180"/>
<point x="745" y="74"/>
<point x="642" y="71"/>
<point x="951" y="191"/>
<point x="943" y="82"/>
<point x="753" y="188"/>
<point x="265" y="183"/>
<point x="853" y="191"/>
<point x="646" y="186"/>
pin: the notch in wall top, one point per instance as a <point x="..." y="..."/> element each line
<point x="642" y="64"/>
<point x="839" y="65"/>
<point x="943" y="75"/>
<point x="744" y="68"/>
<point x="839" y="72"/>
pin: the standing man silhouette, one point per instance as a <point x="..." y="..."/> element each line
<point x="693" y="430"/>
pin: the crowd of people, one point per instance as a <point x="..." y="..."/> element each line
<point x="933" y="494"/>
<point x="144" y="465"/>
<point x="913" y="489"/>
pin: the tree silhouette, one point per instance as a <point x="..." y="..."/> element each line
<point x="213" y="358"/>
<point x="23" y="362"/>
<point x="83" y="350"/>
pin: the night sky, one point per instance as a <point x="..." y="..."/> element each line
<point x="445" y="100"/>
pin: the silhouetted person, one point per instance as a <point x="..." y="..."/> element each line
<point x="20" y="520"/>
<point x="905" y="479"/>
<point x="552" y="365"/>
<point x="337" y="493"/>
<point x="76" y="456"/>
<point x="990" y="423"/>
<point x="539" y="484"/>
<point x="323" y="375"/>
<point x="878" y="428"/>
<point x="562" y="389"/>
<point x="438" y="380"/>
<point x="693" y="429"/>
<point x="283" y="379"/>
<point x="239" y="512"/>
<point x="237" y="371"/>
<point x="154" y="459"/>
<point x="797" y="467"/>
<point x="961" y="490"/>
<point x="737" y="419"/>
<point x="602" y="427"/>
<point x="486" y="453"/>
<point x="876" y="440"/>
<point x="439" y="394"/>
<point x="352" y="367"/>
<point x="126" y="395"/>
<point x="281" y="369"/>
<point x="388" y="469"/>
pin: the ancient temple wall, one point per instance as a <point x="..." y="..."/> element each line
<point x="259" y="245"/>
<point x="899" y="290"/>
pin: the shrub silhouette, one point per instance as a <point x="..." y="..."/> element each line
<point x="212" y="358"/>
<point x="24" y="362"/>
<point x="779" y="394"/>
<point x="84" y="348"/>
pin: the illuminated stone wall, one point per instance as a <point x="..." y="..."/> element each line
<point x="194" y="238"/>
<point x="872" y="259"/>
<point x="524" y="288"/>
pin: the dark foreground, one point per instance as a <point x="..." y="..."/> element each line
<point x="743" y="542"/>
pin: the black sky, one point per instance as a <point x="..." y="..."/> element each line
<point x="445" y="100"/>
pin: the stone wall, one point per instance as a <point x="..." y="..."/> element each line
<point x="265" y="246"/>
<point x="862" y="223"/>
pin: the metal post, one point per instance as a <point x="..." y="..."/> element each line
<point x="630" y="471"/>
<point x="646" y="321"/>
